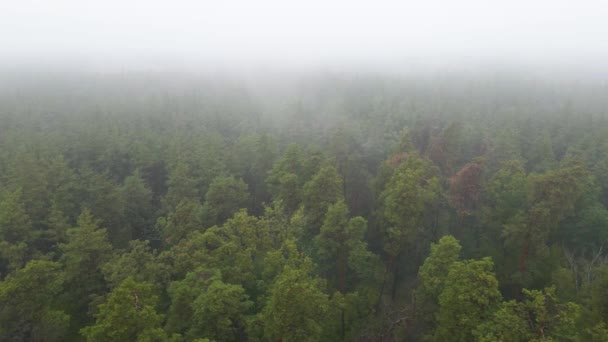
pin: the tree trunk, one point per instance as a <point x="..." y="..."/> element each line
<point x="522" y="264"/>
<point x="389" y="264"/>
<point x="395" y="281"/>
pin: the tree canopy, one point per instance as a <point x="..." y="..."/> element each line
<point x="190" y="208"/>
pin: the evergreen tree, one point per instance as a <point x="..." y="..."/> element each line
<point x="29" y="309"/>
<point x="129" y="314"/>
<point x="86" y="250"/>
<point x="16" y="231"/>
<point x="324" y="189"/>
<point x="469" y="297"/>
<point x="226" y="195"/>
<point x="296" y="306"/>
<point x="138" y="210"/>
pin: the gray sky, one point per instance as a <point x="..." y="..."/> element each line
<point x="310" y="33"/>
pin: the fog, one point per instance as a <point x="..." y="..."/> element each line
<point x="335" y="35"/>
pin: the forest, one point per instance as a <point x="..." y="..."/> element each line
<point x="144" y="206"/>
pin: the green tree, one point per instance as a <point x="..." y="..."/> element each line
<point x="541" y="156"/>
<point x="506" y="193"/>
<point x="552" y="198"/>
<point x="412" y="190"/>
<point x="252" y="158"/>
<point x="504" y="209"/>
<point x="540" y="317"/>
<point x="86" y="250"/>
<point x="187" y="217"/>
<point x="226" y="195"/>
<point x="129" y="314"/>
<point x="98" y="194"/>
<point x="341" y="246"/>
<point x="138" y="209"/>
<point x="62" y="185"/>
<point x="57" y="226"/>
<point x="16" y="230"/>
<point x="345" y="259"/>
<point x="29" y="309"/>
<point x="470" y="296"/>
<point x="182" y="294"/>
<point x="238" y="247"/>
<point x="26" y="174"/>
<point x="219" y="312"/>
<point x="203" y="305"/>
<point x="182" y="184"/>
<point x="139" y="262"/>
<point x="185" y="256"/>
<point x="289" y="192"/>
<point x="290" y="163"/>
<point x="324" y="189"/>
<point x="296" y="307"/>
<point x="432" y="276"/>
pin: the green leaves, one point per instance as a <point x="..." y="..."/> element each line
<point x="324" y="189"/>
<point x="296" y="307"/>
<point x="540" y="317"/>
<point x="205" y="306"/>
<point x="219" y="312"/>
<point x="86" y="250"/>
<point x="15" y="224"/>
<point x="469" y="296"/>
<point x="138" y="208"/>
<point x="413" y="187"/>
<point x="434" y="271"/>
<point x="289" y="192"/>
<point x="87" y="246"/>
<point x="29" y="310"/>
<point x="16" y="230"/>
<point x="139" y="262"/>
<point x="341" y="246"/>
<point x="245" y="246"/>
<point x="129" y="314"/>
<point x="185" y="219"/>
<point x="226" y="195"/>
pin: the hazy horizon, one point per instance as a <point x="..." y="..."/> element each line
<point x="339" y="35"/>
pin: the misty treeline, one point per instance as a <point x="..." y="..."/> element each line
<point x="166" y="207"/>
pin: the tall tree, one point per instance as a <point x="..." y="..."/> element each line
<point x="128" y="314"/>
<point x="138" y="210"/>
<point x="16" y="230"/>
<point x="86" y="250"/>
<point x="469" y="297"/>
<point x="413" y="188"/>
<point x="139" y="262"/>
<point x="226" y="195"/>
<point x="181" y="184"/>
<point x="341" y="246"/>
<point x="466" y="187"/>
<point x="540" y="317"/>
<point x="219" y="312"/>
<point x="553" y="196"/>
<point x="29" y="309"/>
<point x="433" y="275"/>
<point x="289" y="192"/>
<point x="98" y="194"/>
<point x="324" y="189"/>
<point x="187" y="217"/>
<point x="290" y="163"/>
<point x="296" y="306"/>
<point x="26" y="175"/>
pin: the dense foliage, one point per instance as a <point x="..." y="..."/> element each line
<point x="160" y="207"/>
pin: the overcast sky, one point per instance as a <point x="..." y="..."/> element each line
<point x="148" y="33"/>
